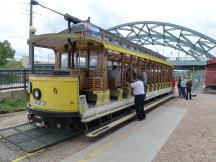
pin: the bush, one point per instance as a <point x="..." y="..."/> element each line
<point x="11" y="105"/>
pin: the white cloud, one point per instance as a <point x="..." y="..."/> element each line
<point x="194" y="14"/>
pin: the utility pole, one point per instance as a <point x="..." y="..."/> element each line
<point x="30" y="23"/>
<point x="32" y="30"/>
<point x="31" y="47"/>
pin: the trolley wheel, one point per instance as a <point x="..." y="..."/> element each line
<point x="30" y="118"/>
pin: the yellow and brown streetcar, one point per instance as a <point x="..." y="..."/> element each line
<point x="80" y="94"/>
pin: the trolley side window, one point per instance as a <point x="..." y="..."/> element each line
<point x="109" y="65"/>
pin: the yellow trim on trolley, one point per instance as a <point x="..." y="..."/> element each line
<point x="130" y="52"/>
<point x="37" y="38"/>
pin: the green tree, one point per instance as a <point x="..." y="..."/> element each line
<point x="6" y="52"/>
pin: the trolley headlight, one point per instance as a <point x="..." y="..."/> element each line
<point x="37" y="93"/>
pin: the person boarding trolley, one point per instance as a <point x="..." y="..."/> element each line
<point x="138" y="91"/>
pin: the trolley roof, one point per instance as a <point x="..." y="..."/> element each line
<point x="53" y="41"/>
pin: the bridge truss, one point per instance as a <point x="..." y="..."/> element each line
<point x="188" y="41"/>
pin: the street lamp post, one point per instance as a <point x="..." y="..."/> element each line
<point x="32" y="31"/>
<point x="30" y="35"/>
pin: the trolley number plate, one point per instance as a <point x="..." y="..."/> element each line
<point x="41" y="103"/>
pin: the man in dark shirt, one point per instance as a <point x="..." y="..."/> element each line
<point x="179" y="86"/>
<point x="115" y="74"/>
<point x="188" y="88"/>
<point x="144" y="79"/>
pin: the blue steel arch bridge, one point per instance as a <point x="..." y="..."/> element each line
<point x="196" y="47"/>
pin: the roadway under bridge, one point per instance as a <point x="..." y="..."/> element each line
<point x="189" y="64"/>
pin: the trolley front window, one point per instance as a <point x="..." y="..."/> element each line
<point x="93" y="61"/>
<point x="64" y="61"/>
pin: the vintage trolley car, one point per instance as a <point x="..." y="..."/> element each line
<point x="79" y="94"/>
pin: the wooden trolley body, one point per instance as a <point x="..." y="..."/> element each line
<point x="86" y="90"/>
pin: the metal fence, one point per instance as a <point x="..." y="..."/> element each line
<point x="197" y="77"/>
<point x="12" y="79"/>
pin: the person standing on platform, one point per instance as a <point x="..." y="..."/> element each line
<point x="115" y="74"/>
<point x="173" y="81"/>
<point x="144" y="79"/>
<point x="188" y="88"/>
<point x="183" y="86"/>
<point x="138" y="91"/>
<point x="179" y="87"/>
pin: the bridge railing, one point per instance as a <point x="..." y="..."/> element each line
<point x="186" y="58"/>
<point x="16" y="78"/>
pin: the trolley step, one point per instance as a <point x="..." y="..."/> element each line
<point x="107" y="127"/>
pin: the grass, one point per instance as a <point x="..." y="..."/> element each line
<point x="12" y="64"/>
<point x="12" y="105"/>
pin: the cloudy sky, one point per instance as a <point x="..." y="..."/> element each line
<point x="14" y="16"/>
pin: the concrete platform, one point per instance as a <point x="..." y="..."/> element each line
<point x="138" y="141"/>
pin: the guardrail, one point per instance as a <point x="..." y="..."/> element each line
<point x="14" y="78"/>
<point x="186" y="58"/>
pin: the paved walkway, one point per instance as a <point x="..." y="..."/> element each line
<point x="135" y="142"/>
<point x="194" y="139"/>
